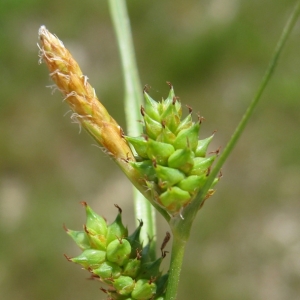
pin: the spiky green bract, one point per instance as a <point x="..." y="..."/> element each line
<point x="170" y="158"/>
<point x="118" y="259"/>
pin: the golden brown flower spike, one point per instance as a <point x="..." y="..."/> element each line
<point x="81" y="97"/>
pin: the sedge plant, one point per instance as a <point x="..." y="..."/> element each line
<point x="169" y="166"/>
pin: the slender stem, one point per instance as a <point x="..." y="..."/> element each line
<point x="181" y="226"/>
<point x="178" y="249"/>
<point x="192" y="209"/>
<point x="133" y="101"/>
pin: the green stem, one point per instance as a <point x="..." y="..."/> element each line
<point x="133" y="101"/>
<point x="192" y="209"/>
<point x="178" y="249"/>
<point x="181" y="225"/>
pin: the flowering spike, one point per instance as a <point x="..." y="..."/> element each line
<point x="164" y="132"/>
<point x="81" y="97"/>
<point x="123" y="264"/>
<point x="179" y="166"/>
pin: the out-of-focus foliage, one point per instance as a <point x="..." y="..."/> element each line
<point x="246" y="241"/>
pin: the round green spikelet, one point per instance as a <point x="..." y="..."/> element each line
<point x="124" y="264"/>
<point x="171" y="159"/>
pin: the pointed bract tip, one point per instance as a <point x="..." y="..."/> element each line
<point x="83" y="203"/>
<point x="103" y="290"/>
<point x="67" y="257"/>
<point x="169" y="84"/>
<point x="146" y="88"/>
<point x="65" y="228"/>
<point x="141" y="222"/>
<point x="85" y="229"/>
<point x="118" y="207"/>
<point x="189" y="108"/>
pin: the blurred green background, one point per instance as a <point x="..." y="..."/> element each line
<point x="245" y="243"/>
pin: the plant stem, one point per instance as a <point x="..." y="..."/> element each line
<point x="178" y="249"/>
<point x="133" y="101"/>
<point x="181" y="226"/>
<point x="192" y="209"/>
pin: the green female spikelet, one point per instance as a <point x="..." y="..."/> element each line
<point x="169" y="157"/>
<point x="118" y="260"/>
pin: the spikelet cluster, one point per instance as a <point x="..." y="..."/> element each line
<point x="81" y="97"/>
<point x="118" y="260"/>
<point x="170" y="158"/>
